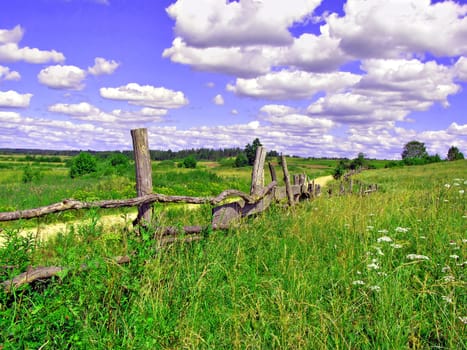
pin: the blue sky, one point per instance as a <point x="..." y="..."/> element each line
<point x="307" y="77"/>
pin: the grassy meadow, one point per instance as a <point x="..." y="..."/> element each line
<point x="384" y="271"/>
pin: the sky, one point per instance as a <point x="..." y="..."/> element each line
<point x="311" y="78"/>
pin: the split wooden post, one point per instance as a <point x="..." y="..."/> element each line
<point x="272" y="171"/>
<point x="143" y="172"/>
<point x="288" y="188"/>
<point x="257" y="175"/>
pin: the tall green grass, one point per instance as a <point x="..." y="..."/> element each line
<point x="384" y="271"/>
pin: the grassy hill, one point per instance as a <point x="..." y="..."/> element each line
<point x="381" y="271"/>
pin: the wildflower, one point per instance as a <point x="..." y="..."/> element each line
<point x="445" y="269"/>
<point x="464" y="241"/>
<point x="402" y="229"/>
<point x="447" y="299"/>
<point x="373" y="266"/>
<point x="396" y="246"/>
<point x="384" y="274"/>
<point x="384" y="239"/>
<point x="461" y="191"/>
<point x="369" y="228"/>
<point x="447" y="185"/>
<point x="449" y="278"/>
<point x="463" y="319"/>
<point x="379" y="251"/>
<point x="454" y="256"/>
<point x="383" y="231"/>
<point x="417" y="257"/>
<point x="456" y="184"/>
<point x="446" y="201"/>
<point x="422" y="237"/>
<point x="358" y="283"/>
<point x="452" y="243"/>
<point x="375" y="288"/>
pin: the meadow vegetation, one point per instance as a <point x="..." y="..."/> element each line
<point x="383" y="271"/>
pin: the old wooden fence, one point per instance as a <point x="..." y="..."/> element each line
<point x="223" y="215"/>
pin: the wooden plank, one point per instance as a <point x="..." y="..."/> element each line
<point x="143" y="172"/>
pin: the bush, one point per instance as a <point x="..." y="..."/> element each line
<point x="82" y="164"/>
<point x="119" y="159"/>
<point x="241" y="160"/>
<point x="30" y="174"/>
<point x="189" y="162"/>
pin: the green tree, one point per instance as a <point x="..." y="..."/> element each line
<point x="454" y="154"/>
<point x="189" y="162"/>
<point x="82" y="164"/>
<point x="118" y="159"/>
<point x="414" y="149"/>
<point x="30" y="174"/>
<point x="250" y="151"/>
<point x="241" y="160"/>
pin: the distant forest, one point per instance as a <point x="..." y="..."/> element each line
<point x="200" y="153"/>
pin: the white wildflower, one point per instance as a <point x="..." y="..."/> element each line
<point x="375" y="288"/>
<point x="445" y="269"/>
<point x="384" y="239"/>
<point x="464" y="241"/>
<point x="461" y="191"/>
<point x="454" y="256"/>
<point x="402" y="229"/>
<point x="369" y="228"/>
<point x="447" y="299"/>
<point x="396" y="246"/>
<point x="446" y="201"/>
<point x="358" y="283"/>
<point x="359" y="273"/>
<point x="373" y="266"/>
<point x="447" y="185"/>
<point x="456" y="184"/>
<point x="452" y="243"/>
<point x="379" y="251"/>
<point x="463" y="319"/>
<point x="383" y="231"/>
<point x="449" y="278"/>
<point x="417" y="257"/>
<point x="384" y="274"/>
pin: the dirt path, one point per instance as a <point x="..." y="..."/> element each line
<point x="115" y="221"/>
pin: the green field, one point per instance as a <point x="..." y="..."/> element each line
<point x="384" y="271"/>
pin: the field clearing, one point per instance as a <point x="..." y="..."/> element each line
<point x="384" y="271"/>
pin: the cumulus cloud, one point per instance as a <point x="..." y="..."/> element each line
<point x="146" y="95"/>
<point x="14" y="99"/>
<point x="7" y="74"/>
<point x="62" y="77"/>
<point x="11" y="52"/>
<point x="395" y="28"/>
<point x="218" y="100"/>
<point x="293" y="84"/>
<point x="103" y="66"/>
<point x="460" y="69"/>
<point x="83" y="111"/>
<point x="207" y="23"/>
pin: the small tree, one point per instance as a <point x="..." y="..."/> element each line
<point x="119" y="159"/>
<point x="454" y="154"/>
<point x="241" y="160"/>
<point x="30" y="174"/>
<point x="82" y="164"/>
<point x="189" y="162"/>
<point x="414" y="149"/>
<point x="250" y="151"/>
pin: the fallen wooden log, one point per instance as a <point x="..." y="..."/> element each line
<point x="71" y="204"/>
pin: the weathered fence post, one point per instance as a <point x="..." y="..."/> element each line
<point x="288" y="188"/>
<point x="272" y="171"/>
<point x="143" y="172"/>
<point x="257" y="175"/>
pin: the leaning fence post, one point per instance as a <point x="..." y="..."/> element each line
<point x="257" y="176"/>
<point x="288" y="188"/>
<point x="143" y="172"/>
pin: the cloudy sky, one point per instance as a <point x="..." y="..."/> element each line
<point x="307" y="77"/>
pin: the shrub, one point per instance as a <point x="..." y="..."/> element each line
<point x="30" y="174"/>
<point x="241" y="160"/>
<point x="82" y="164"/>
<point x="189" y="162"/>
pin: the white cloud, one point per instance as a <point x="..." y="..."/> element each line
<point x="7" y="74"/>
<point x="218" y="100"/>
<point x="62" y="77"/>
<point x="11" y="36"/>
<point x="206" y="23"/>
<point x="240" y="61"/>
<point x="146" y="95"/>
<point x="456" y="129"/>
<point x="10" y="52"/>
<point x="103" y="66"/>
<point x="13" y="99"/>
<point x="234" y="112"/>
<point x="83" y="111"/>
<point x="293" y="84"/>
<point x="460" y="69"/>
<point x="395" y="28"/>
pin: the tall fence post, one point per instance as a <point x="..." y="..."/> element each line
<point x="288" y="188"/>
<point x="257" y="176"/>
<point x="143" y="172"/>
